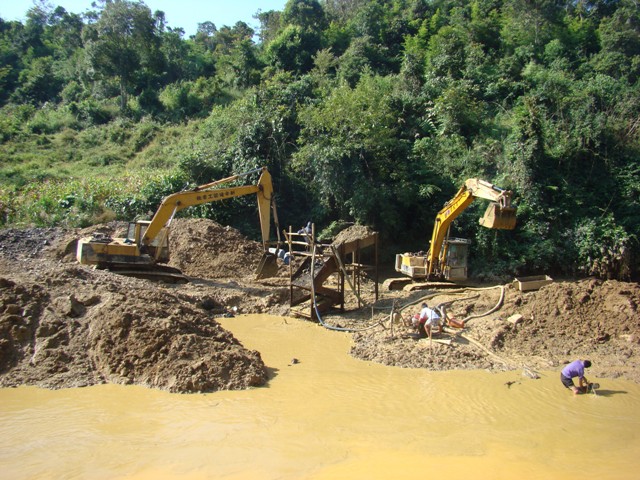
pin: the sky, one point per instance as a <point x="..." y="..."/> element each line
<point x="186" y="14"/>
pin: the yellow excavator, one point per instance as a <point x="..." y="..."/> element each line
<point x="447" y="256"/>
<point x="146" y="245"/>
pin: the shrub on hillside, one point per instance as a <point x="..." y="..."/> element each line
<point x="48" y="120"/>
<point x="91" y="112"/>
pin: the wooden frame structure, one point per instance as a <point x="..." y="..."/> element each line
<point x="309" y="279"/>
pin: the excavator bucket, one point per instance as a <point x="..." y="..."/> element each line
<point x="500" y="217"/>
<point x="268" y="266"/>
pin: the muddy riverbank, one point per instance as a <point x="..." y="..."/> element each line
<point x="64" y="325"/>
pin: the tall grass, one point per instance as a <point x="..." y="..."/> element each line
<point x="77" y="202"/>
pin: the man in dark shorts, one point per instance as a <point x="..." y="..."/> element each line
<point x="572" y="370"/>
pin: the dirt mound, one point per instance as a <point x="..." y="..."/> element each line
<point x="350" y="234"/>
<point x="563" y="321"/>
<point x="63" y="324"/>
<point x="203" y="248"/>
<point x="79" y="327"/>
<point x="542" y="330"/>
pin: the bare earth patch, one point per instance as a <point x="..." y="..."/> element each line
<point x="67" y="325"/>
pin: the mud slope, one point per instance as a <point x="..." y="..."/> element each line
<point x="64" y="324"/>
<point x="539" y="330"/>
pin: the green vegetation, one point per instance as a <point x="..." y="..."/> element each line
<point x="370" y="111"/>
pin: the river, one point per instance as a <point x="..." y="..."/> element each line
<point x="329" y="416"/>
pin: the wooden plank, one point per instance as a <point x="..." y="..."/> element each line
<point x="525" y="284"/>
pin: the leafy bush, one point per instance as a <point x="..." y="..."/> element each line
<point x="50" y="120"/>
<point x="187" y="99"/>
<point x="119" y="131"/>
<point x="8" y="127"/>
<point x="144" y="193"/>
<point x="198" y="168"/>
<point x="7" y="207"/>
<point x="332" y="230"/>
<point x="71" y="203"/>
<point x="143" y="134"/>
<point x="83" y="202"/>
<point x="178" y="101"/>
<point x="72" y="92"/>
<point x="92" y="112"/>
<point x="602" y="248"/>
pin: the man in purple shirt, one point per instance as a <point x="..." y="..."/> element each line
<point x="575" y="369"/>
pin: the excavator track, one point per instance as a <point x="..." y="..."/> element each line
<point x="155" y="273"/>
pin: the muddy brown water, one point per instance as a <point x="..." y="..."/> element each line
<point x="326" y="416"/>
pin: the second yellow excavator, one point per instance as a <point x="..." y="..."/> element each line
<point x="447" y="256"/>
<point x="146" y="245"/>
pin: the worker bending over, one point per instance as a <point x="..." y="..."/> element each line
<point x="426" y="320"/>
<point x="572" y="370"/>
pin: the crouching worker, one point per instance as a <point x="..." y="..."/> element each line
<point x="572" y="370"/>
<point x="426" y="320"/>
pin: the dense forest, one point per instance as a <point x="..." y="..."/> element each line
<point x="365" y="111"/>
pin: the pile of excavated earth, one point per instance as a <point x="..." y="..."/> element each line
<point x="67" y="325"/>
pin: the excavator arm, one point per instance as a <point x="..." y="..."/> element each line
<point x="447" y="257"/>
<point x="499" y="215"/>
<point x="172" y="204"/>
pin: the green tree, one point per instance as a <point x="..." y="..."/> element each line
<point x="530" y="23"/>
<point x="620" y="42"/>
<point x="293" y="49"/>
<point x="176" y="55"/>
<point x="123" y="43"/>
<point x="350" y="153"/>
<point x="205" y="35"/>
<point x="307" y="14"/>
<point x="64" y="33"/>
<point x="10" y="58"/>
<point x="240" y="68"/>
<point x="38" y="84"/>
<point x="235" y="55"/>
<point x="269" y="25"/>
<point x="355" y="62"/>
<point x="525" y="148"/>
<point x="446" y="54"/>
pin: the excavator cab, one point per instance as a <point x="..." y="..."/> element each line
<point x="158" y="248"/>
<point x="456" y="252"/>
<point x="499" y="216"/>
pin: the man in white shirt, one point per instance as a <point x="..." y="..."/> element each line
<point x="428" y="319"/>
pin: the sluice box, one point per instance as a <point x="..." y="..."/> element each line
<point x="525" y="284"/>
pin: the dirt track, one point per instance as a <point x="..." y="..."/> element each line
<point x="65" y="325"/>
